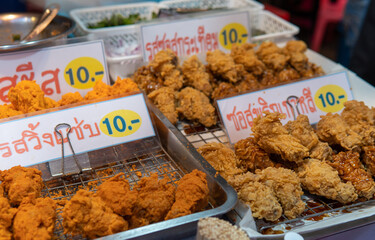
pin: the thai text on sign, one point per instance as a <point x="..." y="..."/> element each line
<point x="313" y="97"/>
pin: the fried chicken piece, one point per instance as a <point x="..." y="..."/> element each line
<point x="191" y="195"/>
<point x="165" y="99"/>
<point x="269" y="78"/>
<point x="368" y="158"/>
<point x="288" y="74"/>
<point x="244" y="54"/>
<point x="89" y="215"/>
<point x="224" y="89"/>
<point x="196" y="75"/>
<point x="146" y="79"/>
<point x="361" y="120"/>
<point x="222" y="65"/>
<point x="248" y="83"/>
<point x="334" y="130"/>
<point x="35" y="219"/>
<point x="21" y="182"/>
<point x="287" y="188"/>
<point x="321" y="179"/>
<point x="273" y="137"/>
<point x="27" y="97"/>
<point x="100" y="90"/>
<point x="70" y="98"/>
<point x="311" y="70"/>
<point x="295" y="46"/>
<point x="304" y="132"/>
<point x="222" y="158"/>
<point x="116" y="194"/>
<point x="351" y="170"/>
<point x="7" y="110"/>
<point x="165" y="66"/>
<point x="6" y="217"/>
<point x="276" y="61"/>
<point x="267" y="48"/>
<point x="196" y="106"/>
<point x="260" y="197"/>
<point x="123" y="85"/>
<point x="299" y="61"/>
<point x="155" y="199"/>
<point x="251" y="155"/>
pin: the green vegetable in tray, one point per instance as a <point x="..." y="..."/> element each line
<point x="118" y="20"/>
<point x="16" y="37"/>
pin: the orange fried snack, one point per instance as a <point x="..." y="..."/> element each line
<point x="123" y="85"/>
<point x="351" y="170"/>
<point x="27" y="97"/>
<point x="88" y="215"/>
<point x="165" y="99"/>
<point x="287" y="188"/>
<point x="70" y="98"/>
<point x="273" y="137"/>
<point x="99" y="90"/>
<point x="155" y="199"/>
<point x="368" y="158"/>
<point x="191" y="195"/>
<point x="20" y="182"/>
<point x="244" y="54"/>
<point x="222" y="65"/>
<point x="196" y="75"/>
<point x="6" y="216"/>
<point x="319" y="178"/>
<point x="116" y="194"/>
<point x="35" y="219"/>
<point x="196" y="106"/>
<point x="222" y="158"/>
<point x="7" y="110"/>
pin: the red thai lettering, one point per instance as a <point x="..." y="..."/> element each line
<point x="54" y="80"/>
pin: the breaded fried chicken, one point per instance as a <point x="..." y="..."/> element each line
<point x="20" y="182"/>
<point x="6" y="218"/>
<point x="321" y="179"/>
<point x="116" y="194"/>
<point x="165" y="99"/>
<point x="196" y="106"/>
<point x="147" y="80"/>
<point x="244" y="54"/>
<point x="196" y="75"/>
<point x="222" y="65"/>
<point x="191" y="195"/>
<point x="368" y="158"/>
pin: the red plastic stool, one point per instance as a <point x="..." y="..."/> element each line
<point x="328" y="12"/>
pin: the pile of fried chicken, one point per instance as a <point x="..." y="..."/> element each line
<point x="187" y="91"/>
<point x="112" y="208"/>
<point x="272" y="168"/>
<point x="28" y="97"/>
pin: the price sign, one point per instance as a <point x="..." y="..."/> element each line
<point x="313" y="97"/>
<point x="57" y="70"/>
<point x="198" y="35"/>
<point x="93" y="126"/>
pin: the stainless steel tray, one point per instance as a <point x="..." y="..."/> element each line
<point x="171" y="156"/>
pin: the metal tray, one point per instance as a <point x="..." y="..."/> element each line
<point x="169" y="155"/>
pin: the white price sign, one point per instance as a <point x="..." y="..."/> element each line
<point x="57" y="70"/>
<point x="198" y="35"/>
<point x="313" y="97"/>
<point x="33" y="140"/>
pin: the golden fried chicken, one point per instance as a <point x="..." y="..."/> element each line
<point x="276" y="61"/>
<point x="196" y="106"/>
<point x="224" y="89"/>
<point x="7" y="110"/>
<point x="191" y="195"/>
<point x="295" y="46"/>
<point x="351" y="170"/>
<point x="288" y="74"/>
<point x="70" y="98"/>
<point x="6" y="218"/>
<point x="252" y="157"/>
<point x="269" y="78"/>
<point x="88" y="215"/>
<point x="196" y="75"/>
<point x="368" y="158"/>
<point x="116" y="194"/>
<point x="273" y="137"/>
<point x="146" y="79"/>
<point x="165" y="99"/>
<point x="123" y="85"/>
<point x="248" y="83"/>
<point x="287" y="188"/>
<point x="35" y="219"/>
<point x="304" y="132"/>
<point x="267" y="48"/>
<point x="311" y="70"/>
<point x="99" y="90"/>
<point x="222" y="158"/>
<point x="260" y="197"/>
<point x="165" y="66"/>
<point x="335" y="131"/>
<point x="361" y="120"/>
<point x="299" y="61"/>
<point x="321" y="179"/>
<point x="155" y="199"/>
<point x="27" y="97"/>
<point x="244" y="54"/>
<point x="222" y="65"/>
<point x="21" y="182"/>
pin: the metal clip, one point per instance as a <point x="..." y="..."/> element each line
<point x="57" y="128"/>
<point x="290" y="105"/>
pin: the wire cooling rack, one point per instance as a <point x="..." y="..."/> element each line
<point x="148" y="159"/>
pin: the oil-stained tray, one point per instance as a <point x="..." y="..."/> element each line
<point x="170" y="155"/>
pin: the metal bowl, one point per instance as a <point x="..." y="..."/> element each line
<point x="13" y="24"/>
